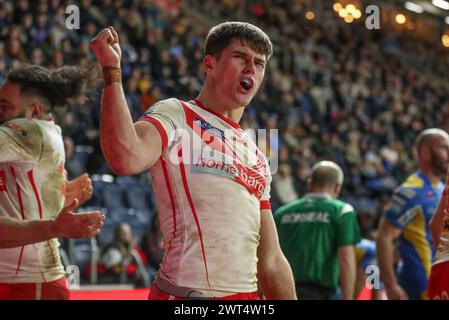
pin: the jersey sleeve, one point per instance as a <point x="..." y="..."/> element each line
<point x="265" y="198"/>
<point x="403" y="207"/>
<point x="167" y="116"/>
<point x="20" y="140"/>
<point x="347" y="227"/>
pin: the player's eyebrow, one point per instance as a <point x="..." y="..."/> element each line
<point x="257" y="60"/>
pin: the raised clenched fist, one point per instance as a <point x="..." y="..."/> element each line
<point x="106" y="48"/>
<point x="79" y="188"/>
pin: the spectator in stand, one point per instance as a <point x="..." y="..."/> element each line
<point x="121" y="259"/>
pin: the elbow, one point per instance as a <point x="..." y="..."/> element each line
<point x="123" y="163"/>
<point x="119" y="166"/>
<point x="120" y="169"/>
<point x="272" y="264"/>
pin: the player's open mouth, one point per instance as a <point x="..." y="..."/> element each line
<point x="246" y="85"/>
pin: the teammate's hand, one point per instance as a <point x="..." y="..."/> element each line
<point x="77" y="225"/>
<point x="79" y="188"/>
<point x="395" y="292"/>
<point x="106" y="48"/>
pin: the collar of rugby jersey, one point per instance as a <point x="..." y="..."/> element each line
<point x="230" y="122"/>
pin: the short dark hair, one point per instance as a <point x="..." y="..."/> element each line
<point x="56" y="86"/>
<point x="220" y="36"/>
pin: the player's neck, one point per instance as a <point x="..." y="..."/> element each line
<point x="215" y="103"/>
<point x="428" y="172"/>
<point x="322" y="191"/>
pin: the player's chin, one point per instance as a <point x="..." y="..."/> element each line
<point x="244" y="99"/>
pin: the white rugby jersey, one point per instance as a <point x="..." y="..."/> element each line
<point x="211" y="183"/>
<point x="31" y="188"/>
<point x="442" y="252"/>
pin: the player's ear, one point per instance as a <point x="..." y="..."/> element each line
<point x="209" y="62"/>
<point x="36" y="110"/>
<point x="337" y="190"/>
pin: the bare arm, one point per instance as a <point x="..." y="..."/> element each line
<point x="385" y="256"/>
<point x="346" y="258"/>
<point x="273" y="270"/>
<point x="14" y="232"/>
<point x="128" y="148"/>
<point x="360" y="279"/>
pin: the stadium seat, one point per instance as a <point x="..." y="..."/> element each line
<point x="144" y="216"/>
<point x="99" y="182"/>
<point x="82" y="254"/>
<point x="106" y="235"/>
<point x="113" y="197"/>
<point x="138" y="230"/>
<point x="138" y="198"/>
<point x="82" y="154"/>
<point x="114" y="216"/>
<point x="126" y="182"/>
<point x="77" y="164"/>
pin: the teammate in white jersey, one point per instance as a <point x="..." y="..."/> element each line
<point x="438" y="286"/>
<point x="220" y="239"/>
<point x="32" y="183"/>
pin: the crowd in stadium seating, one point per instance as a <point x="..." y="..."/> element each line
<point x="334" y="91"/>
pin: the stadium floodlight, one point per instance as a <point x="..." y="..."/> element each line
<point x="414" y="7"/>
<point x="337" y="7"/>
<point x="445" y="40"/>
<point x="349" y="19"/>
<point x="442" y="4"/>
<point x="400" y="18"/>
<point x="351" y="8"/>
<point x="357" y="14"/>
<point x="310" y="15"/>
<point x="343" y="13"/>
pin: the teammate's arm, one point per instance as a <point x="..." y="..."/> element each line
<point x="360" y="279"/>
<point x="14" y="232"/>
<point x="128" y="148"/>
<point x="273" y="270"/>
<point x="436" y="224"/>
<point x="385" y="256"/>
<point x="346" y="258"/>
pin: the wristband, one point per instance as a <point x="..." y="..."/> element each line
<point x="111" y="75"/>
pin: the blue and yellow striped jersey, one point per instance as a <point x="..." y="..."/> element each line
<point x="411" y="208"/>
<point x="365" y="253"/>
